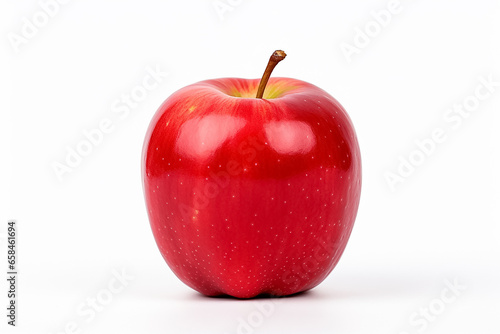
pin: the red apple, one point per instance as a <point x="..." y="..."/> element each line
<point x="249" y="195"/>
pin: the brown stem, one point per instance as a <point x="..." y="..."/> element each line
<point x="276" y="57"/>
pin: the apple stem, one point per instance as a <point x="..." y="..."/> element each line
<point x="276" y="57"/>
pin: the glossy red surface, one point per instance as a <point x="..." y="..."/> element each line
<point x="251" y="196"/>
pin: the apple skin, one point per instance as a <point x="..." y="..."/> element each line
<point x="250" y="196"/>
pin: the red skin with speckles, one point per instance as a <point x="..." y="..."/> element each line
<point x="251" y="196"/>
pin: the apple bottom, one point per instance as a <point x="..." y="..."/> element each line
<point x="248" y="237"/>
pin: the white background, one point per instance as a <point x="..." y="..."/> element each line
<point x="440" y="224"/>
